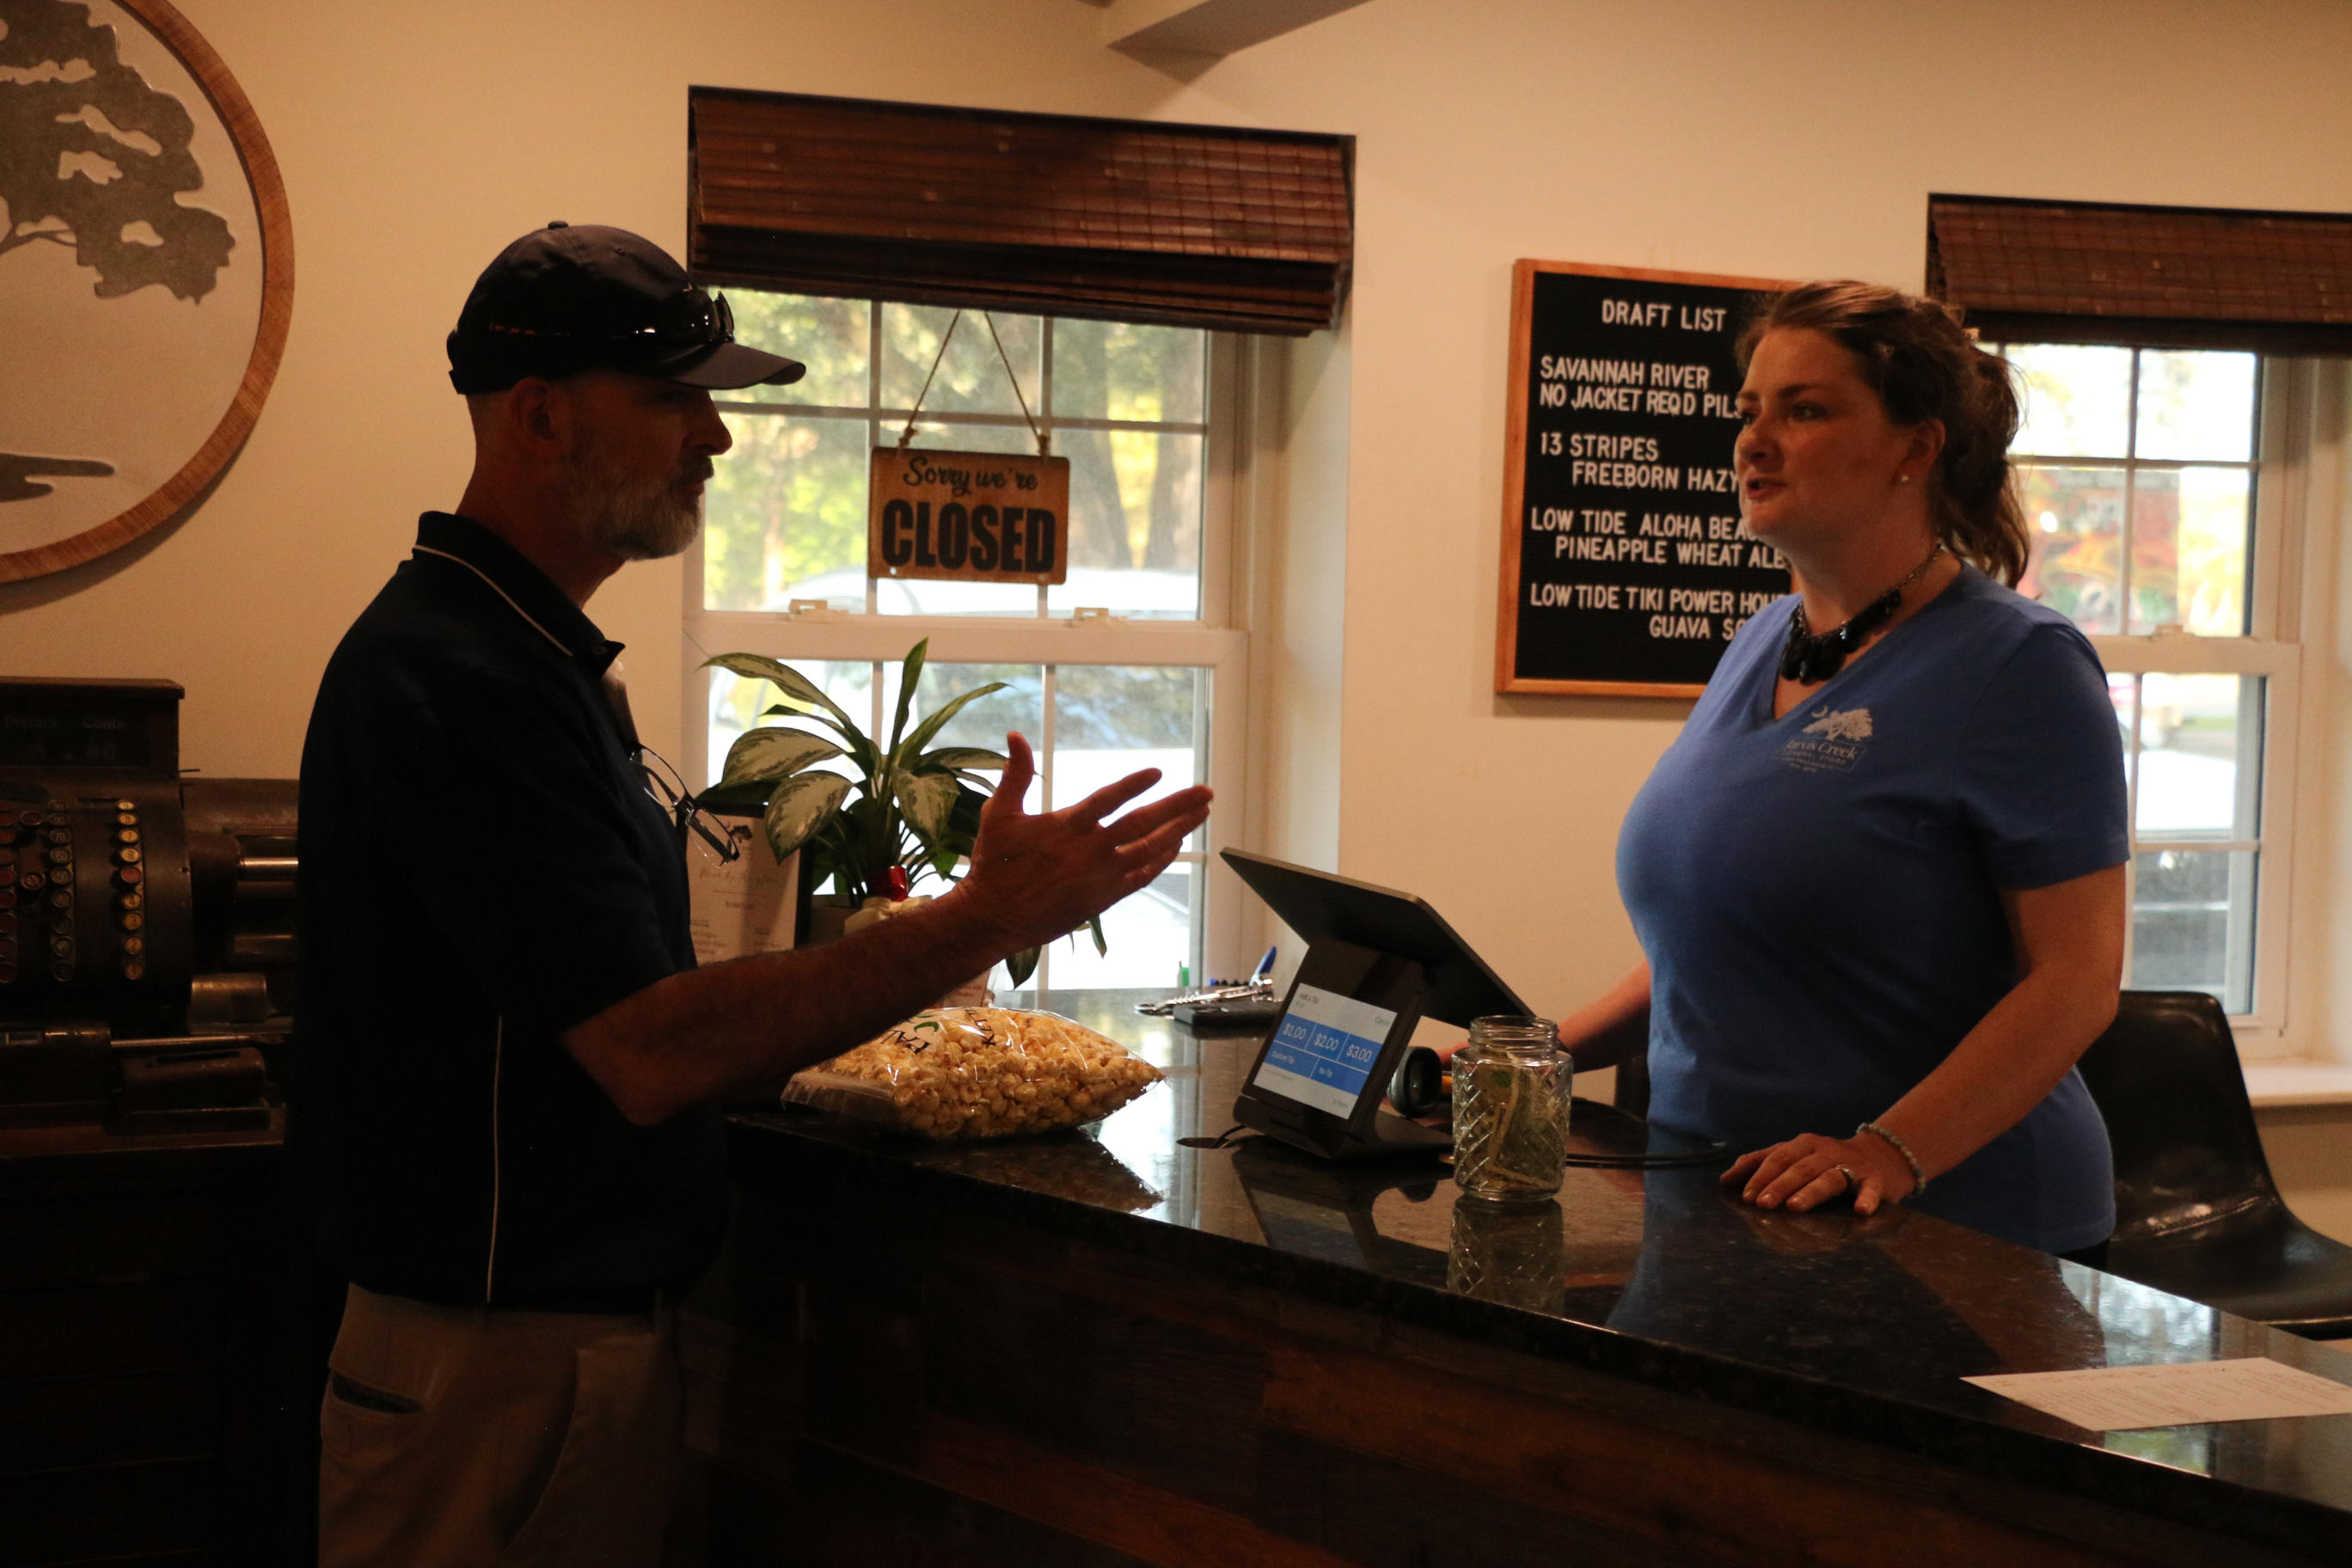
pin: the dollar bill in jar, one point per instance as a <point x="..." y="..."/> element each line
<point x="1511" y="1088"/>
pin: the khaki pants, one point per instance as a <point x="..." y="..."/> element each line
<point x="453" y="1436"/>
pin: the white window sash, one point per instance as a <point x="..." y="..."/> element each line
<point x="2181" y="653"/>
<point x="1212" y="643"/>
<point x="2275" y="584"/>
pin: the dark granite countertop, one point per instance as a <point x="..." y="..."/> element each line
<point x="1863" y="1327"/>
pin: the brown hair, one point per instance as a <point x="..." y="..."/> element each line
<point x="1924" y="365"/>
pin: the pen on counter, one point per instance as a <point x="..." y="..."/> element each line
<point x="1265" y="966"/>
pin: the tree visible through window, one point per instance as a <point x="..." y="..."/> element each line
<point x="1126" y="404"/>
<point x="2138" y="470"/>
<point x="1129" y="406"/>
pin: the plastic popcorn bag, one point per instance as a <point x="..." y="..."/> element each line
<point x="977" y="1072"/>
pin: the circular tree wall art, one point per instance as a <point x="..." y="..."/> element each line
<point x="146" y="275"/>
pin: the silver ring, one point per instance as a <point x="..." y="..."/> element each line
<point x="1850" y="1179"/>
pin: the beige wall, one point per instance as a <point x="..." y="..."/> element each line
<point x="1711" y="138"/>
<point x="418" y="135"/>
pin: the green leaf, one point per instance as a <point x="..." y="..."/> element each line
<point x="774" y="753"/>
<point x="859" y="750"/>
<point x="963" y="824"/>
<point x="748" y="794"/>
<point x="1102" y="943"/>
<point x="938" y="721"/>
<point x="1020" y="966"/>
<point x="961" y="759"/>
<point x="928" y="801"/>
<point x="799" y="807"/>
<point x="909" y="673"/>
<point x="796" y="687"/>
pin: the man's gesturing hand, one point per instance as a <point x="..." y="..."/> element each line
<point x="1039" y="876"/>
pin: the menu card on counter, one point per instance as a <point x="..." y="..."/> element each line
<point x="2118" y="1398"/>
<point x="1625" y="568"/>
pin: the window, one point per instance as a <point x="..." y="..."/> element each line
<point x="2145" y="477"/>
<point x="1133" y="662"/>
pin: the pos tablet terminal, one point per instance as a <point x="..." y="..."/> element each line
<point x="1377" y="963"/>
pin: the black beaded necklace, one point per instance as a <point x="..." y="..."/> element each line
<point x="1809" y="659"/>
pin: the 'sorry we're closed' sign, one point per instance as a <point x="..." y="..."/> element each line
<point x="973" y="516"/>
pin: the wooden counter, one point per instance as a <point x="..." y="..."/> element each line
<point x="1117" y="1348"/>
<point x="153" y="1372"/>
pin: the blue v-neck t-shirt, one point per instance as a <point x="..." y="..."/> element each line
<point x="1818" y="893"/>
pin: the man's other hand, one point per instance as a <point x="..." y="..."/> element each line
<point x="1039" y="876"/>
<point x="704" y="1033"/>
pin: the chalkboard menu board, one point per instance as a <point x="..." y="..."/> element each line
<point x="1625" y="568"/>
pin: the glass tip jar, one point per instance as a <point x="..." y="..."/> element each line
<point x="1511" y="1092"/>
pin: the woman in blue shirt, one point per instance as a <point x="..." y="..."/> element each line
<point x="1879" y="877"/>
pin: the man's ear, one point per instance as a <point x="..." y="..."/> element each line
<point x="537" y="417"/>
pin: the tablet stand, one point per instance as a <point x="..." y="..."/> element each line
<point x="1379" y="947"/>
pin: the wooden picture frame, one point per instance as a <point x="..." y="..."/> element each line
<point x="1511" y="671"/>
<point x="196" y="474"/>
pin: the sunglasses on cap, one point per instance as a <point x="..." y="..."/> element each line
<point x="687" y="320"/>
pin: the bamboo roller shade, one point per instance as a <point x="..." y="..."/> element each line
<point x="1196" y="226"/>
<point x="2280" y="282"/>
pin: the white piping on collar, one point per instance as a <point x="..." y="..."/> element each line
<point x="502" y="592"/>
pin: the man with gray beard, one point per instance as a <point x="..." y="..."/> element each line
<point x="509" y="1065"/>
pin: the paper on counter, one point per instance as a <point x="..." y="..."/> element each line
<point x="742" y="906"/>
<point x="2115" y="1398"/>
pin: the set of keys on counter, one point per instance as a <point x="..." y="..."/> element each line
<point x="1233" y="1003"/>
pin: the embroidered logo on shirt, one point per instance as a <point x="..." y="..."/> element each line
<point x="1853" y="724"/>
<point x="1839" y="745"/>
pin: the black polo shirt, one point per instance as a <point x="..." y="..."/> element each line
<point x="482" y="867"/>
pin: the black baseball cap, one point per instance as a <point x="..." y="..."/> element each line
<point x="571" y="297"/>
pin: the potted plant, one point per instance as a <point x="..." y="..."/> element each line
<point x="910" y="807"/>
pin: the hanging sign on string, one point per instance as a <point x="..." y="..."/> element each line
<point x="971" y="517"/>
<point x="968" y="516"/>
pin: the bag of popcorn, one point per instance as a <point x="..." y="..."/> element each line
<point x="977" y="1072"/>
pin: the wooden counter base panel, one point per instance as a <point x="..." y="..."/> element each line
<point x="900" y="1387"/>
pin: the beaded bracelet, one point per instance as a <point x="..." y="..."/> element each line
<point x="1919" y="1177"/>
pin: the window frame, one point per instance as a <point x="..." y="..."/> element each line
<point x="1215" y="641"/>
<point x="2272" y="648"/>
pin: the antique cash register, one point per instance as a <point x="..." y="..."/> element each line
<point x="158" y="1378"/>
<point x="146" y="922"/>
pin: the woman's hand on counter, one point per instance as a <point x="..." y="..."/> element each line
<point x="2069" y="939"/>
<point x="1809" y="1170"/>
